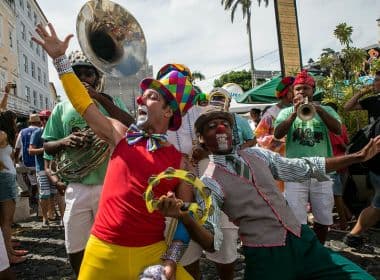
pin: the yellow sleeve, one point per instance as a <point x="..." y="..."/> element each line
<point x="76" y="92"/>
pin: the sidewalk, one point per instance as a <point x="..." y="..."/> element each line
<point x="47" y="258"/>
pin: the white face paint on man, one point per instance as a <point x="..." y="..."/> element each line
<point x="142" y="116"/>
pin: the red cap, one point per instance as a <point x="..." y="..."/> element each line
<point x="44" y="113"/>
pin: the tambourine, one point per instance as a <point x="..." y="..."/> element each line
<point x="200" y="215"/>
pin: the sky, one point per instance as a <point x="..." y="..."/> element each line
<point x="199" y="33"/>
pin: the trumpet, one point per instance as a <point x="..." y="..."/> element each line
<point x="306" y="111"/>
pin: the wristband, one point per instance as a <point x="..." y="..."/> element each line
<point x="62" y="65"/>
<point x="175" y="251"/>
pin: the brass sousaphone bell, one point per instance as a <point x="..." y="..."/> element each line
<point x="111" y="38"/>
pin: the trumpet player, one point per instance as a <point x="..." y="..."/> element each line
<point x="307" y="135"/>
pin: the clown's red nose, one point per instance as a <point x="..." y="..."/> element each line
<point x="139" y="100"/>
<point x="221" y="129"/>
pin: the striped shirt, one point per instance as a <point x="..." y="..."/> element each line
<point x="284" y="169"/>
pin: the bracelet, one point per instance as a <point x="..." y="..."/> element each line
<point x="175" y="251"/>
<point x="62" y="64"/>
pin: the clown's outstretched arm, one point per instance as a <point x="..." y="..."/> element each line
<point x="107" y="129"/>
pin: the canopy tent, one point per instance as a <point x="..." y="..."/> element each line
<point x="243" y="108"/>
<point x="265" y="93"/>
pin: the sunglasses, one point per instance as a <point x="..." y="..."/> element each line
<point x="85" y="72"/>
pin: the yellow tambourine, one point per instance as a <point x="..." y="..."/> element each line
<point x="200" y="214"/>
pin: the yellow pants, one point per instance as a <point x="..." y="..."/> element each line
<point x="103" y="260"/>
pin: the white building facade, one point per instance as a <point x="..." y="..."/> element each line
<point x="33" y="84"/>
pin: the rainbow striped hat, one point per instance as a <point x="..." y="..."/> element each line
<point x="178" y="92"/>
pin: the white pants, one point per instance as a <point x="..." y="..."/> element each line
<point x="4" y="261"/>
<point x="228" y="250"/>
<point x="320" y="195"/>
<point x="81" y="207"/>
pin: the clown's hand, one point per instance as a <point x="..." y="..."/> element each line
<point x="153" y="272"/>
<point x="50" y="42"/>
<point x="170" y="206"/>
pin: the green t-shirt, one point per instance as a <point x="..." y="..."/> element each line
<point x="63" y="121"/>
<point x="307" y="138"/>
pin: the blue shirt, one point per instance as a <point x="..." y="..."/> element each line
<point x="37" y="141"/>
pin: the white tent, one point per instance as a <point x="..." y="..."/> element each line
<point x="244" y="108"/>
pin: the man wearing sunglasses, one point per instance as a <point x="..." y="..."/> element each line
<point x="64" y="132"/>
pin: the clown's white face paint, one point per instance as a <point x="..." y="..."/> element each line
<point x="221" y="138"/>
<point x="142" y="116"/>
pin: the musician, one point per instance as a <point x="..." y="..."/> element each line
<point x="370" y="215"/>
<point x="308" y="138"/>
<point x="275" y="244"/>
<point x="125" y="237"/>
<point x="62" y="131"/>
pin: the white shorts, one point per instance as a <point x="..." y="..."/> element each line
<point x="228" y="250"/>
<point x="4" y="261"/>
<point x="81" y="207"/>
<point x="320" y="195"/>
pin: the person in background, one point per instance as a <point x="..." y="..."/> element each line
<point x="339" y="144"/>
<point x="255" y="115"/>
<point x="371" y="214"/>
<point x="8" y="189"/>
<point x="265" y="129"/>
<point x="47" y="191"/>
<point x="308" y="138"/>
<point x="27" y="165"/>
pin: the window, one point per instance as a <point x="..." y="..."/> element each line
<point x="45" y="80"/>
<point x="11" y="43"/>
<point x="26" y="65"/>
<point x="30" y="40"/>
<point x="41" y="101"/>
<point x="33" y="65"/>
<point x="35" y="19"/>
<point x="38" y="50"/>
<point x="29" y="8"/>
<point x="3" y="78"/>
<point x="46" y="103"/>
<point x="21" y="3"/>
<point x="34" y="98"/>
<point x="39" y="74"/>
<point x="23" y="31"/>
<point x="43" y="55"/>
<point x="27" y="93"/>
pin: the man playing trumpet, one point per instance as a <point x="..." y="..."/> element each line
<point x="307" y="138"/>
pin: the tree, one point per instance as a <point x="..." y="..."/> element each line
<point x="246" y="9"/>
<point x="198" y="76"/>
<point x="242" y="78"/>
<point x="344" y="68"/>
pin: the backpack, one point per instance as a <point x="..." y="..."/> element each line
<point x="361" y="138"/>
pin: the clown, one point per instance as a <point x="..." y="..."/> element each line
<point x="308" y="138"/>
<point x="125" y="237"/>
<point x="243" y="186"/>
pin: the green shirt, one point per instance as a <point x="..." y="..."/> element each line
<point x="65" y="120"/>
<point x="307" y="138"/>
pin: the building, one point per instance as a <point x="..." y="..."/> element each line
<point x="33" y="84"/>
<point x="8" y="51"/>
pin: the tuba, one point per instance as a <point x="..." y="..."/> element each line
<point x="306" y="111"/>
<point x="114" y="42"/>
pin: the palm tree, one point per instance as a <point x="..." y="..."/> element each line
<point x="246" y="9"/>
<point x="198" y="76"/>
<point x="343" y="33"/>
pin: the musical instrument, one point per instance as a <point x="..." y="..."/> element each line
<point x="306" y="111"/>
<point x="200" y="214"/>
<point x="73" y="164"/>
<point x="111" y="38"/>
<point x="220" y="97"/>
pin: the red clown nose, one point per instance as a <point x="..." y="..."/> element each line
<point x="221" y="129"/>
<point x="139" y="100"/>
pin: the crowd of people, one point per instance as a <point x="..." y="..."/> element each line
<point x="264" y="177"/>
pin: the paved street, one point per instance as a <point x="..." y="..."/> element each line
<point x="47" y="258"/>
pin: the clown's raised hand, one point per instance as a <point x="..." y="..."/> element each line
<point x="50" y="42"/>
